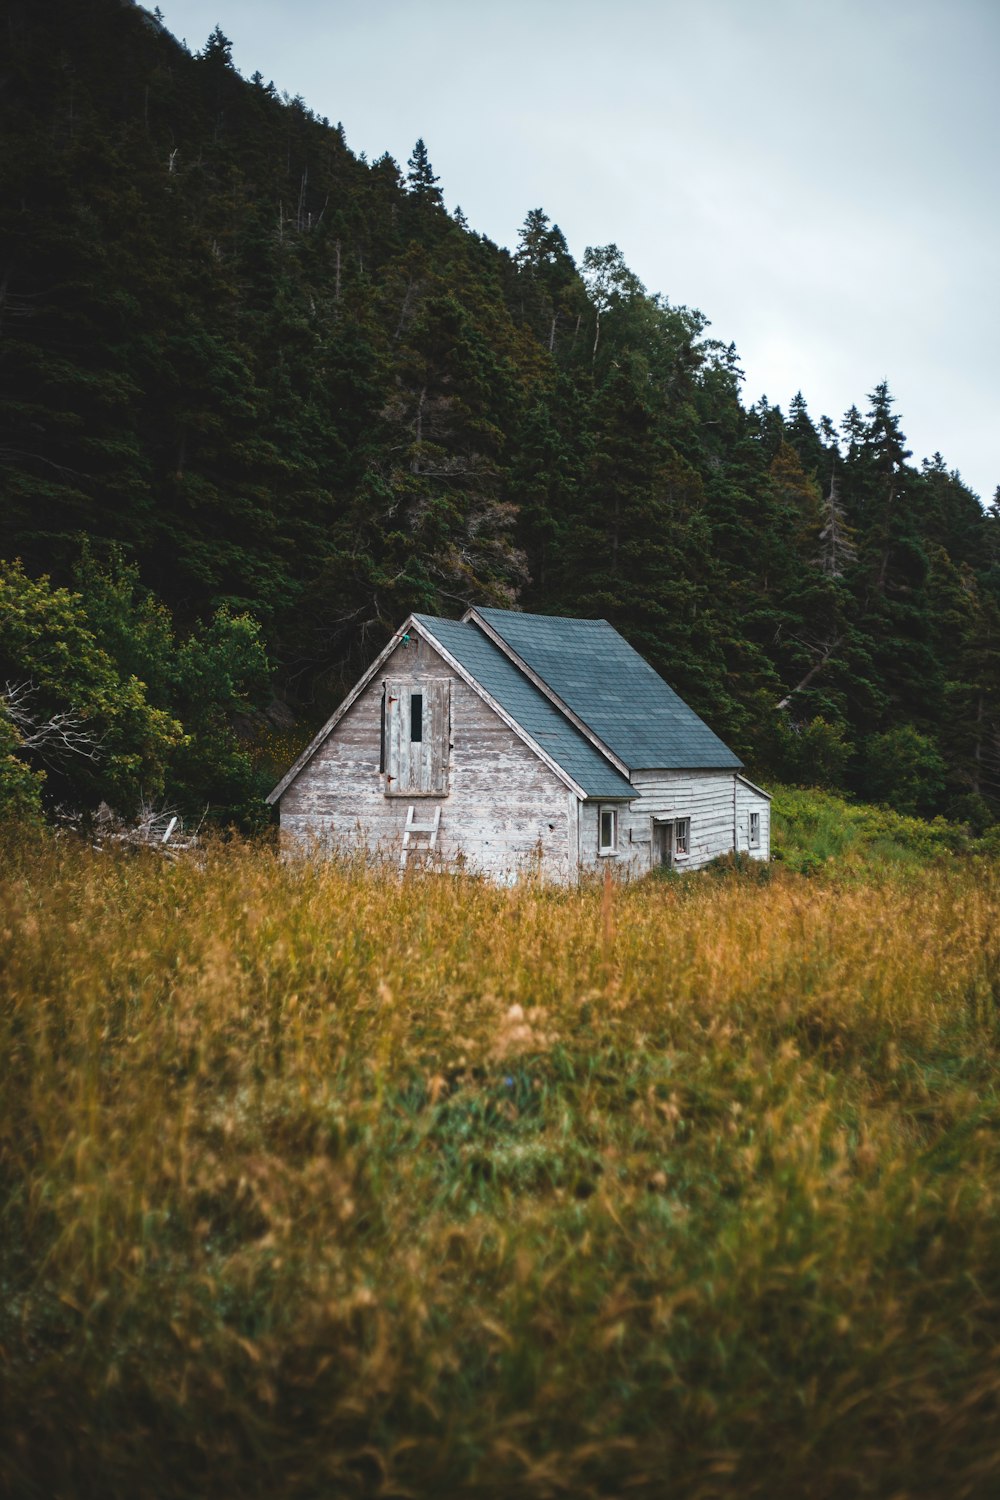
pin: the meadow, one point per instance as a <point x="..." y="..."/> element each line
<point x="315" y="1182"/>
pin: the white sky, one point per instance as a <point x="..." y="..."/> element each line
<point x="819" y="177"/>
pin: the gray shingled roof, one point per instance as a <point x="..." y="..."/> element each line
<point x="530" y="708"/>
<point x="617" y="694"/>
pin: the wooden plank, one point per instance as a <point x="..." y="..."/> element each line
<point x="439" y="715"/>
<point x="417" y="768"/>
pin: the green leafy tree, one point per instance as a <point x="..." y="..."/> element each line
<point x="116" y="745"/>
<point x="814" y="752"/>
<point x="221" y="674"/>
<point x="904" y="769"/>
<point x="610" y="285"/>
<point x="21" y="786"/>
<point x="213" y="681"/>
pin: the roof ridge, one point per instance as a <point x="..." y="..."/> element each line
<point x="526" y="614"/>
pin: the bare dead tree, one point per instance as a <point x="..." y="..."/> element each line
<point x="51" y="738"/>
<point x="837" y="548"/>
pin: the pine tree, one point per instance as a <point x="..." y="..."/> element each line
<point x="534" y="241"/>
<point x="548" y="282"/>
<point x="803" y="436"/>
<point x="218" y="50"/>
<point x="853" y="430"/>
<point x="420" y="178"/>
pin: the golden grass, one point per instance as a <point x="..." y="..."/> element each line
<point x="316" y="1183"/>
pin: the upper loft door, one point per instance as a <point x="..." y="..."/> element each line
<point x="417" y="737"/>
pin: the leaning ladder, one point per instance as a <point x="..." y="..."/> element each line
<point x="430" y="829"/>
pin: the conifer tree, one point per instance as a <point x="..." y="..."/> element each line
<point x="804" y="438"/>
<point x="420" y="178"/>
<point x="218" y="50"/>
<point x="548" y="277"/>
<point x="534" y="241"/>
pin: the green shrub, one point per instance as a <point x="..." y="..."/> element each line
<point x="904" y="769"/>
<point x="811" y="828"/>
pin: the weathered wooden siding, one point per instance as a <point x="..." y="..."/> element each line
<point x="749" y="800"/>
<point x="708" y="798"/>
<point x="504" y="810"/>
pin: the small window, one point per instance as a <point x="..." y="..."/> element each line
<point x="755" y="830"/>
<point x="682" y="836"/>
<point x="607" y="840"/>
<point x="416" y="718"/>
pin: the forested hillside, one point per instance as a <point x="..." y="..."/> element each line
<point x="262" y="397"/>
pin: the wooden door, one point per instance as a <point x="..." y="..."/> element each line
<point x="417" y="737"/>
<point x="663" y="843"/>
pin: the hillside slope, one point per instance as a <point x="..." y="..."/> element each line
<point x="279" y="380"/>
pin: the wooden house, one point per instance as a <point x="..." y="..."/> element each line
<point x="505" y="742"/>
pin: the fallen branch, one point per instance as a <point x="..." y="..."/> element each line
<point x="825" y="652"/>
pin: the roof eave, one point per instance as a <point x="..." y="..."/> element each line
<point x="753" y="786"/>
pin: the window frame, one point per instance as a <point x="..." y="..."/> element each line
<point x="682" y="838"/>
<point x="603" y="849"/>
<point x="753" y="831"/>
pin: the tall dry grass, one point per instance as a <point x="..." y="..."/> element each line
<point x="315" y="1183"/>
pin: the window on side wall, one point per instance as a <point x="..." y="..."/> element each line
<point x="682" y="836"/>
<point x="755" y="830"/>
<point x="607" y="830"/>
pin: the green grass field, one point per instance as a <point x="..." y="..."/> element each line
<point x="316" y="1183"/>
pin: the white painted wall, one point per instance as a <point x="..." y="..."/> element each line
<point x="750" y="800"/>
<point x="714" y="801"/>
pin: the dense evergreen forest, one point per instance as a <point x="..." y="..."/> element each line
<point x="262" y="397"/>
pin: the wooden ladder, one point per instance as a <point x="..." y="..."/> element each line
<point x="430" y="829"/>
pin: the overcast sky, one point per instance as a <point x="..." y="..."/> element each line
<point x="819" y="177"/>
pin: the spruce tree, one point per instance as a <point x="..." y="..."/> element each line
<point x="420" y="179"/>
